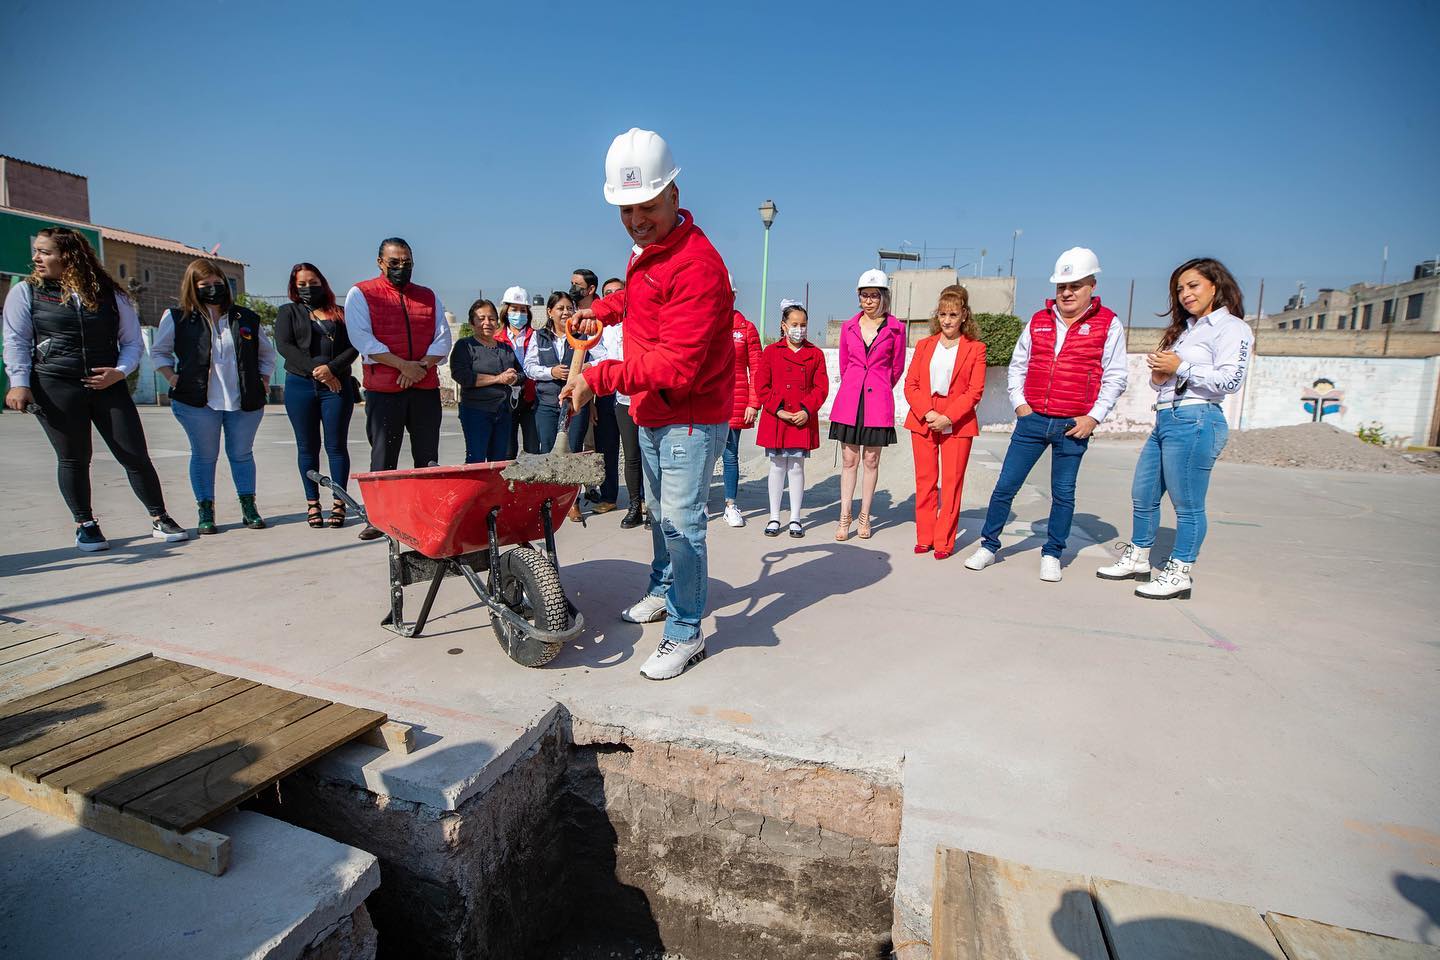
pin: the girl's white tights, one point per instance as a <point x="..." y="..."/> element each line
<point x="783" y="468"/>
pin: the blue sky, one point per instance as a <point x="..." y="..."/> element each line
<point x="1291" y="140"/>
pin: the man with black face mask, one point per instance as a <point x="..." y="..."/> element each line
<point x="583" y="284"/>
<point x="400" y="330"/>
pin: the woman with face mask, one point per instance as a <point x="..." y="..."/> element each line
<point x="218" y="362"/>
<point x="485" y="370"/>
<point x="71" y="338"/>
<point x="319" y="390"/>
<point x="517" y="331"/>
<point x="791" y="385"/>
<point x="547" y="362"/>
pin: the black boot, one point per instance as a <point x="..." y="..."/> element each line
<point x="634" y="516"/>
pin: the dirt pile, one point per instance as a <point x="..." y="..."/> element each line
<point x="1320" y="446"/>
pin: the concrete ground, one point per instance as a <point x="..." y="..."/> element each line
<point x="1270" y="742"/>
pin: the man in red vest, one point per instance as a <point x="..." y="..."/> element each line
<point x="400" y="330"/>
<point x="1067" y="372"/>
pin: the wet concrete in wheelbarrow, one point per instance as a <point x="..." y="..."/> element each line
<point x="579" y="469"/>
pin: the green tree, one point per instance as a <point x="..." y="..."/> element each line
<point x="1000" y="331"/>
<point x="266" y="310"/>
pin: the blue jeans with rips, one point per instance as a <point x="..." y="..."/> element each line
<point x="1177" y="459"/>
<point x="678" y="461"/>
<point x="1034" y="433"/>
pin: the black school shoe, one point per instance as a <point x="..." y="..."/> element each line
<point x="772" y="529"/>
<point x="796" y="530"/>
<point x="163" y="528"/>
<point x="89" y="538"/>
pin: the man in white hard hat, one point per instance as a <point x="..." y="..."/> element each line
<point x="1066" y="374"/>
<point x="678" y="369"/>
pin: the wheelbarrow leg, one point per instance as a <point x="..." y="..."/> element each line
<point x="395" y="619"/>
<point x="545" y="514"/>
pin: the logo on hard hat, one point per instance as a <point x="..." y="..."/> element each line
<point x="629" y="177"/>
<point x="1066" y="270"/>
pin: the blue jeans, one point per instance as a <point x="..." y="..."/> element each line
<point x="487" y="433"/>
<point x="730" y="460"/>
<point x="678" y="461"/>
<point x="1177" y="460"/>
<point x="547" y="425"/>
<point x="1033" y="434"/>
<point x="204" y="426"/>
<point x="311" y="406"/>
<point x="607" y="441"/>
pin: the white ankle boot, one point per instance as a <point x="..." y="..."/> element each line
<point x="1171" y="583"/>
<point x="1134" y="562"/>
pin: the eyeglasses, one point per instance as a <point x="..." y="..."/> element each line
<point x="870" y="296"/>
<point x="399" y="263"/>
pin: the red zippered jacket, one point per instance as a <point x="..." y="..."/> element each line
<point x="1067" y="385"/>
<point x="747" y="363"/>
<point x="790" y="380"/>
<point x="677" y="307"/>
<point x="405" y="322"/>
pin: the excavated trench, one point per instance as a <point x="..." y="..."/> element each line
<point x="595" y="844"/>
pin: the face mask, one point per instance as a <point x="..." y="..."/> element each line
<point x="399" y="276"/>
<point x="518" y="320"/>
<point x="311" y="296"/>
<point x="577" y="291"/>
<point x="211" y="293"/>
<point x="795" y="334"/>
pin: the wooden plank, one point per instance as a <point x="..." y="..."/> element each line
<point x="13" y="633"/>
<point x="1312" y="940"/>
<point x="73" y="668"/>
<point x="42" y="764"/>
<point x="1145" y="924"/>
<point x="31" y="647"/>
<point x="45" y="739"/>
<point x="87" y="702"/>
<point x="196" y="729"/>
<point x="204" y="794"/>
<point x="54" y="694"/>
<point x="391" y="735"/>
<point x="1022" y="913"/>
<point x="952" y="921"/>
<point x="202" y="849"/>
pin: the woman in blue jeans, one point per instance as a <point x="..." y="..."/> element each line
<point x="218" y="362"/>
<point x="320" y="392"/>
<point x="1203" y="357"/>
<point x="486" y="370"/>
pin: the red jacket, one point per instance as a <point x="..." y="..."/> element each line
<point x="677" y="307"/>
<point x="790" y="380"/>
<point x="389" y="310"/>
<point x="747" y="363"/>
<point x="1067" y="385"/>
<point x="967" y="384"/>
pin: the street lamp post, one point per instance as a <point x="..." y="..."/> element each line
<point x="1013" y="237"/>
<point x="767" y="217"/>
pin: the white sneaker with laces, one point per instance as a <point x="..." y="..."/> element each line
<point x="647" y="610"/>
<point x="733" y="516"/>
<point x="1134" y="562"/>
<point x="1171" y="583"/>
<point x="1049" y="568"/>
<point x="673" y="657"/>
<point x="980" y="559"/>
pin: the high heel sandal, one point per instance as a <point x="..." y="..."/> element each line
<point x="312" y="514"/>
<point x="842" y="529"/>
<point x="863" y="525"/>
<point x="337" y="515"/>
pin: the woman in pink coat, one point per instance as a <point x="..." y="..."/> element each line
<point x="872" y="361"/>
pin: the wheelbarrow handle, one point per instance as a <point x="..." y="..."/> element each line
<point x="338" y="491"/>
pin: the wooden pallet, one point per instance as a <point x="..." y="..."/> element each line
<point x="147" y="750"/>
<point x="986" y="908"/>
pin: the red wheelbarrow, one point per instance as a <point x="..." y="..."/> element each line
<point x="453" y="521"/>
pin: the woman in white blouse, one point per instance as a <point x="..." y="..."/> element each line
<point x="1203" y="356"/>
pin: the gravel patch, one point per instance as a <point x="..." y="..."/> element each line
<point x="1320" y="446"/>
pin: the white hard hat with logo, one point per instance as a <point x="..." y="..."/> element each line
<point x="516" y="295"/>
<point x="638" y="167"/>
<point x="1076" y="264"/>
<point x="873" y="278"/>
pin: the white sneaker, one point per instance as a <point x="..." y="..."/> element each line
<point x="672" y="658"/>
<point x="1171" y="583"/>
<point x="980" y="559"/>
<point x="733" y="516"/>
<point x="1134" y="562"/>
<point x="1049" y="568"/>
<point x="646" y="611"/>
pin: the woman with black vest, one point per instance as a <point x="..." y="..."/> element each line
<point x="71" y="339"/>
<point x="547" y="362"/>
<point x="485" y="369"/>
<point x="319" y="390"/>
<point x="218" y="362"/>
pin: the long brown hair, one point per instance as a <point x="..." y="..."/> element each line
<point x="1227" y="295"/>
<point x="955" y="294"/>
<point x="330" y="304"/>
<point x="83" y="274"/>
<point x="199" y="269"/>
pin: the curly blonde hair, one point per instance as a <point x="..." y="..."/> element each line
<point x="955" y="295"/>
<point x="83" y="274"/>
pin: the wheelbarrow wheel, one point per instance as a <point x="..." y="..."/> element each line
<point x="530" y="586"/>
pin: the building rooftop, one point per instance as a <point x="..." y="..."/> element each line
<point x="161" y="243"/>
<point x="42" y="166"/>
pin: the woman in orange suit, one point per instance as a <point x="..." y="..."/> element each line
<point x="943" y="388"/>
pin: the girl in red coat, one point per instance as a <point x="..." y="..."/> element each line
<point x="943" y="388"/>
<point x="791" y="384"/>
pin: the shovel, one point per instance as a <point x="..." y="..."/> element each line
<point x="560" y="465"/>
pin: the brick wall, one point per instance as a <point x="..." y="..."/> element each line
<point x="43" y="190"/>
<point x="160" y="287"/>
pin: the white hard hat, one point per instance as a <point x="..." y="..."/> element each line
<point x="1074" y="264"/>
<point x="873" y="278"/>
<point x="516" y="295"/>
<point x="638" y="167"/>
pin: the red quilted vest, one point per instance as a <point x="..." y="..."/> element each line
<point x="1067" y="385"/>
<point x="405" y="323"/>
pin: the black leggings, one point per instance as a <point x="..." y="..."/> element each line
<point x="630" y="443"/>
<point x="68" y="409"/>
